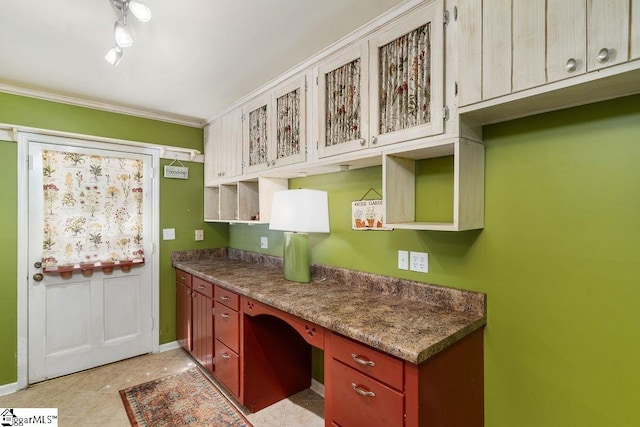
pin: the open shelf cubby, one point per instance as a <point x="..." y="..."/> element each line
<point x="246" y="201"/>
<point x="457" y="168"/>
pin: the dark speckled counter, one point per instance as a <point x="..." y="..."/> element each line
<point x="410" y="320"/>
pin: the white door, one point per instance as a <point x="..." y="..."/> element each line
<point x="81" y="322"/>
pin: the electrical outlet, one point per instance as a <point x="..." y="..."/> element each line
<point x="403" y="260"/>
<point x="419" y="261"/>
<point x="199" y="235"/>
<point x="264" y="243"/>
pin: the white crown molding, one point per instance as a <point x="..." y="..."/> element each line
<point x="358" y="35"/>
<point x="95" y="105"/>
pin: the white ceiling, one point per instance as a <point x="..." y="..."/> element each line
<point x="191" y="61"/>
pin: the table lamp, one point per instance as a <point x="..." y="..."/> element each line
<point x="297" y="213"/>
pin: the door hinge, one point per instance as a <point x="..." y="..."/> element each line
<point x="445" y="113"/>
<point x="446" y="17"/>
<point x="455" y="88"/>
<point x="213" y="311"/>
<point x="153" y="323"/>
<point x="455" y="13"/>
<point x="316" y="80"/>
<point x="153" y="248"/>
<point x="30" y="162"/>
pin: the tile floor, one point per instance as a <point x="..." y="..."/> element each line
<point x="92" y="398"/>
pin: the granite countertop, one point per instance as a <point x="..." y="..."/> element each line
<point x="410" y="320"/>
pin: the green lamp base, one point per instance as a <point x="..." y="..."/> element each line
<point x="296" y="258"/>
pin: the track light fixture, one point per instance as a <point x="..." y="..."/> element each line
<point x="120" y="31"/>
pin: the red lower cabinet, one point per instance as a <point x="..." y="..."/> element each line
<point x="183" y="313"/>
<point x="228" y="368"/>
<point x="363" y="387"/>
<point x="359" y="400"/>
<point x="227" y="342"/>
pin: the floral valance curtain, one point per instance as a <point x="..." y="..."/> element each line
<point x="93" y="209"/>
<point x="405" y="81"/>
<point x="343" y="104"/>
<point x="288" y="126"/>
<point x="258" y="136"/>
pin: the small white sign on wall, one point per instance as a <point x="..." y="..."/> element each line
<point x="367" y="215"/>
<point x="178" y="172"/>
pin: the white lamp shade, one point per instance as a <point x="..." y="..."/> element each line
<point x="303" y="211"/>
<point x="122" y="35"/>
<point x="140" y="10"/>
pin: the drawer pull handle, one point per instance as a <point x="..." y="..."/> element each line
<point x="225" y="356"/>
<point x="183" y="278"/>
<point x="224" y="298"/>
<point x="224" y="315"/>
<point x="200" y="286"/>
<point x="361" y="391"/>
<point x="362" y="361"/>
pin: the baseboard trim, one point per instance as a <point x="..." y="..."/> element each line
<point x="8" y="388"/>
<point x="168" y="346"/>
<point x="317" y="387"/>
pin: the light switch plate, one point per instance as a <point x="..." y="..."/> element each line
<point x="403" y="260"/>
<point x="199" y="235"/>
<point x="168" y="234"/>
<point x="264" y="243"/>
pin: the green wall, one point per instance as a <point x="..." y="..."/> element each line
<point x="558" y="258"/>
<point x="8" y="262"/>
<point x="180" y="202"/>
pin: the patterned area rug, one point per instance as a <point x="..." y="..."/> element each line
<point x="185" y="399"/>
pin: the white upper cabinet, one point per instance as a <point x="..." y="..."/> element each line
<point x="512" y="46"/>
<point x="386" y="89"/>
<point x="528" y="44"/>
<point x="274" y="127"/>
<point x="606" y="25"/>
<point x="343" y="83"/>
<point x="567" y="43"/>
<point x="223" y="147"/>
<point x="635" y="29"/>
<point x="407" y="77"/>
<point x="496" y="48"/>
<point x="608" y="33"/>
<point x="257" y="132"/>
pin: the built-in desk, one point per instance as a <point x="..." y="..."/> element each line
<point x="396" y="352"/>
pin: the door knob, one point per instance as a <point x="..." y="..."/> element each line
<point x="571" y="65"/>
<point x="37" y="264"/>
<point x="603" y="55"/>
<point x="38" y="277"/>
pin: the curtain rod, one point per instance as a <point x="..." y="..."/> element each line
<point x="10" y="132"/>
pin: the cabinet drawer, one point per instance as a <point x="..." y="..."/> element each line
<point x="359" y="400"/>
<point x="227" y="326"/>
<point x="227" y="298"/>
<point x="205" y="288"/>
<point x="227" y="369"/>
<point x="183" y="277"/>
<point x="365" y="359"/>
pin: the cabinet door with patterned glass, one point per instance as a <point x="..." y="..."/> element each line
<point x="406" y="77"/>
<point x="257" y="134"/>
<point x="290" y="123"/>
<point x="343" y="100"/>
